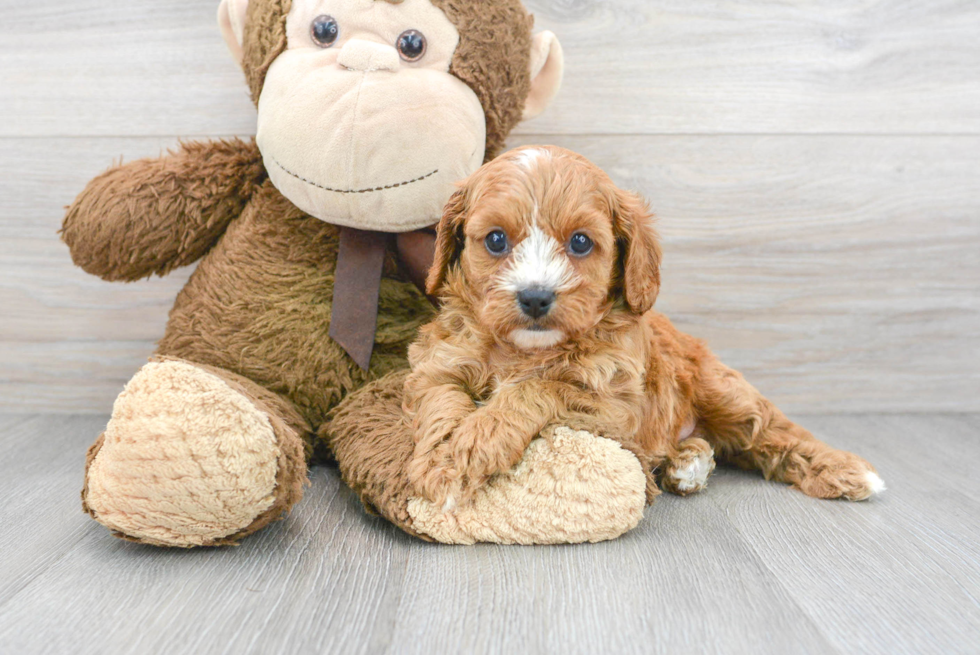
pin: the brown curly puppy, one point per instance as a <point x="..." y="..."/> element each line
<point x="548" y="274"/>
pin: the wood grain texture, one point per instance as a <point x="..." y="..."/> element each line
<point x="744" y="567"/>
<point x="684" y="560"/>
<point x="843" y="561"/>
<point x="146" y="67"/>
<point x="39" y="459"/>
<point x="839" y="273"/>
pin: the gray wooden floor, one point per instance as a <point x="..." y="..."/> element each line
<point x="746" y="566"/>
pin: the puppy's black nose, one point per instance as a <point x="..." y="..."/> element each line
<point x="536" y="302"/>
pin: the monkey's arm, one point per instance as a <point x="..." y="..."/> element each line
<point x="154" y="215"/>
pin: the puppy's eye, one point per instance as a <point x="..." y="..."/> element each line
<point x="324" y="31"/>
<point x="412" y="45"/>
<point x="496" y="243"/>
<point x="580" y="244"/>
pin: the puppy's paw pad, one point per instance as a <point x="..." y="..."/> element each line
<point x="693" y="476"/>
<point x="688" y="472"/>
<point x="854" y="480"/>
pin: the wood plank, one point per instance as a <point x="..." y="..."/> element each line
<point x="134" y="68"/>
<point x="68" y="377"/>
<point x="41" y="463"/>
<point x="682" y="582"/>
<point x="881" y="576"/>
<point x="634" y="67"/>
<point x="50" y="298"/>
<point x="331" y="579"/>
<point x="839" y="273"/>
<point x="744" y="567"/>
<point x="323" y="581"/>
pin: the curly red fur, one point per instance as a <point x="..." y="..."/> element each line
<point x="482" y="387"/>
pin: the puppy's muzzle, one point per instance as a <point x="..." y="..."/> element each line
<point x="536" y="302"/>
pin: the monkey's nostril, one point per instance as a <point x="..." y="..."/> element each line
<point x="536" y="301"/>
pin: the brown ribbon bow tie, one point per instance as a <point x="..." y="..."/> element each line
<point x="357" y="283"/>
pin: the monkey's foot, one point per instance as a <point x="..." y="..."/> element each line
<point x="571" y="487"/>
<point x="191" y="458"/>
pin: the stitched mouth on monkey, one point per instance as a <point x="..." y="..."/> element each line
<point x="376" y="189"/>
<point x="371" y="156"/>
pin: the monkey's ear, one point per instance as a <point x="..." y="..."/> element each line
<point x="449" y="242"/>
<point x="231" y="20"/>
<point x="640" y="251"/>
<point x="547" y="70"/>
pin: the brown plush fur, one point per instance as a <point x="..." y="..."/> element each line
<point x="264" y="40"/>
<point x="477" y="396"/>
<point x="373" y="443"/>
<point x="259" y="305"/>
<point x="154" y="215"/>
<point x="257" y="309"/>
<point x="492" y="58"/>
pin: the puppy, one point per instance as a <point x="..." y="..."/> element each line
<point x="548" y="274"/>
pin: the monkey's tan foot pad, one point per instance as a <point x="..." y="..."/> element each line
<point x="573" y="487"/>
<point x="188" y="459"/>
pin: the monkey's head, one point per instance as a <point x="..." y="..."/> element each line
<point x="370" y="110"/>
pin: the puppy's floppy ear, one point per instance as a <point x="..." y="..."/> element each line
<point x="639" y="251"/>
<point x="449" y="241"/>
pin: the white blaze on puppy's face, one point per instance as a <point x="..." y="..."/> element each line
<point x="538" y="261"/>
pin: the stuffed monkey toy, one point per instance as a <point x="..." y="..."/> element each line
<point x="309" y="251"/>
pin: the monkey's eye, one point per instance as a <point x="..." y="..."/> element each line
<point x="324" y="31"/>
<point x="411" y="45"/>
<point x="496" y="243"/>
<point x="580" y="244"/>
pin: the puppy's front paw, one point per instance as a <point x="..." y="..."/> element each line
<point x="687" y="472"/>
<point x="436" y="479"/>
<point x="484" y="444"/>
